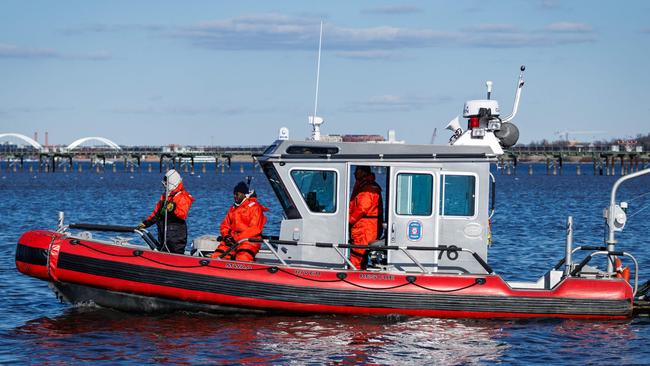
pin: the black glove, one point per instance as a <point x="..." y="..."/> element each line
<point x="145" y="224"/>
<point x="229" y="240"/>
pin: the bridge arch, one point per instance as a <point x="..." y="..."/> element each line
<point x="28" y="140"/>
<point x="103" y="140"/>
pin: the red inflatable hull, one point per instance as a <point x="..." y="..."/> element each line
<point x="141" y="276"/>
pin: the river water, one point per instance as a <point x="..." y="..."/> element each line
<point x="528" y="231"/>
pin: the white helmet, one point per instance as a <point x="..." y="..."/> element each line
<point x="171" y="180"/>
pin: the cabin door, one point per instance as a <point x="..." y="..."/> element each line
<point x="412" y="216"/>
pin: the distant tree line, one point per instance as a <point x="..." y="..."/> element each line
<point x="640" y="139"/>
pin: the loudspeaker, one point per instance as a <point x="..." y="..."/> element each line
<point x="454" y="125"/>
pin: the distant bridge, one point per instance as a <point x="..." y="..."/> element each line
<point x="74" y="145"/>
<point x="52" y="158"/>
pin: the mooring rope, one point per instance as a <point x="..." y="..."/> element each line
<point x="639" y="196"/>
<point x="638" y="211"/>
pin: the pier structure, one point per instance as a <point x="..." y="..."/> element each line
<point x="107" y="153"/>
<point x="620" y="158"/>
<point x="612" y="159"/>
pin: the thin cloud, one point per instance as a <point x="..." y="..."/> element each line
<point x="569" y="27"/>
<point x="393" y="10"/>
<point x="13" y="111"/>
<point x="276" y="31"/>
<point x="493" y="28"/>
<point x="190" y="111"/>
<point x="371" y="55"/>
<point x="12" y="51"/>
<point x="549" y="4"/>
<point x="521" y="40"/>
<point x="110" y="28"/>
<point x="393" y="103"/>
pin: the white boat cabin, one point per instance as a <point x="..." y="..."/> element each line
<point x="433" y="196"/>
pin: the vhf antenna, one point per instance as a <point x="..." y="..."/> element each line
<point x="314" y="120"/>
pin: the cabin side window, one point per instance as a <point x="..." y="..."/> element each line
<point x="459" y="195"/>
<point x="317" y="188"/>
<point x="414" y="194"/>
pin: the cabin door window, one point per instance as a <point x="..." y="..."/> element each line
<point x="412" y="219"/>
<point x="414" y="194"/>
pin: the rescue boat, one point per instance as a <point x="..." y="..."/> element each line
<point x="431" y="259"/>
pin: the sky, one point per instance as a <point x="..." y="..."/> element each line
<point x="234" y="72"/>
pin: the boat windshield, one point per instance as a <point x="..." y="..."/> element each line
<point x="290" y="210"/>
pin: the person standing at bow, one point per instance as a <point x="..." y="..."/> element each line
<point x="245" y="219"/>
<point x="170" y="214"/>
<point x="365" y="214"/>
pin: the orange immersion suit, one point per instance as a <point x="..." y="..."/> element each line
<point x="179" y="201"/>
<point x="366" y="211"/>
<point x="245" y="220"/>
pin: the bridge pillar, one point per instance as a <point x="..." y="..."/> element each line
<point x="594" y="162"/>
<point x="548" y="166"/>
<point x="622" y="165"/>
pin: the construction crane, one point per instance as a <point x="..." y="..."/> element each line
<point x="433" y="136"/>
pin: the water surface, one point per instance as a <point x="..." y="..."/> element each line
<point x="528" y="230"/>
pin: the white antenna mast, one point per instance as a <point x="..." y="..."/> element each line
<point x="314" y="120"/>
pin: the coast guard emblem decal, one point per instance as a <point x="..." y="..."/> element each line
<point x="415" y="230"/>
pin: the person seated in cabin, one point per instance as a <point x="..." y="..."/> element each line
<point x="365" y="214"/>
<point x="245" y="219"/>
<point x="170" y="214"/>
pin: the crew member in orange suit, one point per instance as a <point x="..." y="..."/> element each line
<point x="170" y="214"/>
<point x="366" y="214"/>
<point x="245" y="219"/>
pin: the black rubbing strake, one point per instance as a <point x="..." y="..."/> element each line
<point x="31" y="255"/>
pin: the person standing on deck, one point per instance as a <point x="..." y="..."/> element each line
<point x="245" y="219"/>
<point x="170" y="214"/>
<point x="365" y="214"/>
